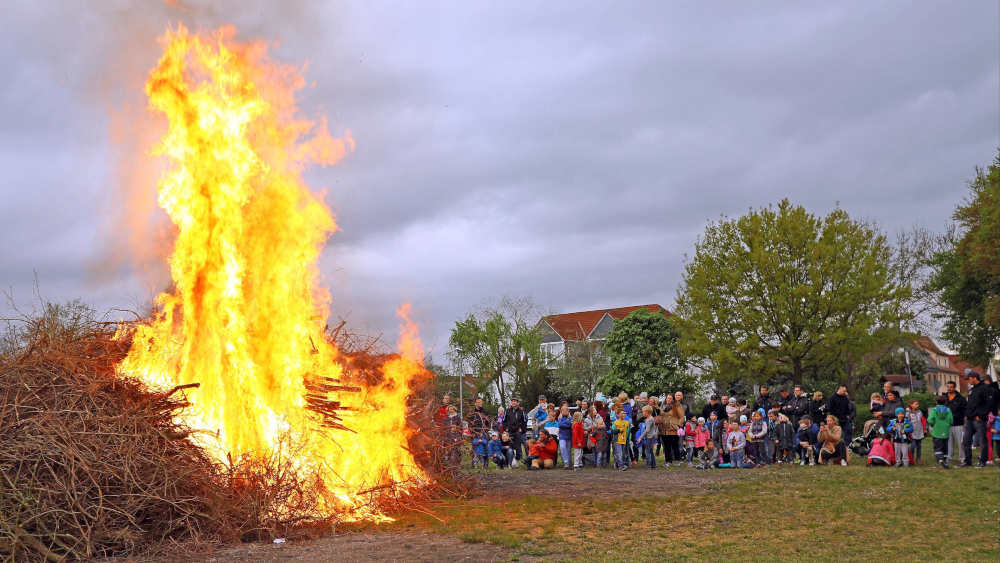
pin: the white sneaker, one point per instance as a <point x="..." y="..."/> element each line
<point x="812" y="462"/>
<point x="843" y="462"/>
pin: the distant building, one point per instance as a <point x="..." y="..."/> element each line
<point x="943" y="367"/>
<point x="583" y="332"/>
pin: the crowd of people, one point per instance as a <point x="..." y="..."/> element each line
<point x="792" y="427"/>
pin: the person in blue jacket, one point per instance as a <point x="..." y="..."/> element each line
<point x="565" y="422"/>
<point x="494" y="450"/>
<point x="479" y="444"/>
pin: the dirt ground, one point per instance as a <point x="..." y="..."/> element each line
<point x="421" y="546"/>
<point x="601" y="483"/>
<point x="378" y="546"/>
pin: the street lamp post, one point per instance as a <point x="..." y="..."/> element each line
<point x="906" y="354"/>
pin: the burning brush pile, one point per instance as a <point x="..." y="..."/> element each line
<point x="97" y="464"/>
<point x="233" y="412"/>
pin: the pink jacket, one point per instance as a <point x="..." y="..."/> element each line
<point x="882" y="450"/>
<point x="700" y="437"/>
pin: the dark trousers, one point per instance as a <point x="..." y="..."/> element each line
<point x="672" y="448"/>
<point x="940" y="448"/>
<point x="517" y="441"/>
<point x="977" y="428"/>
<point x="838" y="451"/>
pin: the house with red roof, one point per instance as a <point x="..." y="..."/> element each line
<point x="583" y="330"/>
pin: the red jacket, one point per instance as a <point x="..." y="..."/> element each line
<point x="548" y="449"/>
<point x="578" y="436"/>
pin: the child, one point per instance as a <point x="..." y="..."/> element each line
<point x="756" y="435"/>
<point x="882" y="452"/>
<point x="737" y="443"/>
<point x="916" y="418"/>
<point x="620" y="431"/>
<point x="479" y="451"/>
<point x="772" y="439"/>
<point x="939" y="425"/>
<point x="565" y="435"/>
<point x="650" y="436"/>
<point x="507" y="448"/>
<point x="494" y="449"/>
<point x="551" y="427"/>
<point x="708" y="457"/>
<point x="690" y="428"/>
<point x="578" y="440"/>
<point x="900" y="429"/>
<point x="534" y="453"/>
<point x="785" y="434"/>
<point x="714" y="427"/>
<point x="601" y="440"/>
<point x="701" y="436"/>
<point x="805" y="437"/>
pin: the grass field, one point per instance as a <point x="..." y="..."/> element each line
<point x="824" y="513"/>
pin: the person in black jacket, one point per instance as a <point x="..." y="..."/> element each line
<point x="714" y="406"/>
<point x="956" y="404"/>
<point x="479" y="420"/>
<point x="840" y="407"/>
<point x="516" y="424"/>
<point x="764" y="401"/>
<point x="796" y="407"/>
<point x="976" y="411"/>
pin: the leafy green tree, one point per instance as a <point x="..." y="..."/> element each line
<point x="779" y="293"/>
<point x="501" y="346"/>
<point x="580" y="371"/>
<point x="643" y="355"/>
<point x="967" y="273"/>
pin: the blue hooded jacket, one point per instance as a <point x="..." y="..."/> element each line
<point x="494" y="448"/>
<point x="479" y="446"/>
<point x="565" y="428"/>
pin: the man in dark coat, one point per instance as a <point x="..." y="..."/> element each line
<point x="515" y="422"/>
<point x="840" y="407"/>
<point x="764" y="401"/>
<point x="977" y="410"/>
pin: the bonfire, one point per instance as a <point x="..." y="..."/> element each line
<point x="231" y="413"/>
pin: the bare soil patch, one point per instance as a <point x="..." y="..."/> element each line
<point x="603" y="483"/>
<point x="377" y="546"/>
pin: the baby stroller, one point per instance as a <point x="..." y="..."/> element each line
<point x="863" y="443"/>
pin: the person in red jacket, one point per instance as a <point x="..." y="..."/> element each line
<point x="543" y="452"/>
<point x="578" y="440"/>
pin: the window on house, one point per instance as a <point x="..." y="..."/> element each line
<point x="553" y="353"/>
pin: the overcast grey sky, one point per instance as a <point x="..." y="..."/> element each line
<point x="571" y="152"/>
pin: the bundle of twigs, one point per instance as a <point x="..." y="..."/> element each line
<point x="93" y="464"/>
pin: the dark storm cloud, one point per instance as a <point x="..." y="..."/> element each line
<point x="572" y="153"/>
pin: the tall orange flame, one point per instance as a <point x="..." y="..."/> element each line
<point x="246" y="317"/>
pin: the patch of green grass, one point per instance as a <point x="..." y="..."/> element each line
<point x="778" y="513"/>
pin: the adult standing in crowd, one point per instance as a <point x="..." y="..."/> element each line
<point x="714" y="406"/>
<point x="784" y="397"/>
<point x="817" y="407"/>
<point x="956" y="404"/>
<point x="796" y="407"/>
<point x="516" y="424"/>
<point x="673" y="420"/>
<point x="442" y="413"/>
<point x="679" y="398"/>
<point x="479" y="420"/>
<point x="764" y="401"/>
<point x="886" y="388"/>
<point x="977" y="410"/>
<point x="840" y="407"/>
<point x="892" y="402"/>
<point x="539" y="414"/>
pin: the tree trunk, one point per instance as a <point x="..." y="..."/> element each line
<point x="797" y="371"/>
